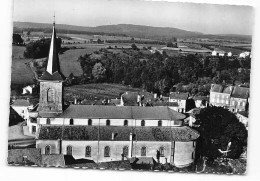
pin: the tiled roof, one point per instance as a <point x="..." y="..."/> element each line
<point x="228" y="89"/>
<point x="240" y="92"/>
<point x="104" y="133"/>
<point x="243" y="113"/>
<point x="176" y="95"/>
<point x="120" y="112"/>
<point x="163" y="103"/>
<point x="14" y="117"/>
<point x="21" y="102"/>
<point x="216" y="88"/>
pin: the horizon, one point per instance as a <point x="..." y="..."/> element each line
<point x="203" y="18"/>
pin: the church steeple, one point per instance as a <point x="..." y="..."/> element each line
<point x="53" y="66"/>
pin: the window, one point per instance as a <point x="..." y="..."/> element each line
<point x="108" y="122"/>
<point x="33" y="129"/>
<point x="69" y="150"/>
<point x="226" y="101"/>
<point x="142" y="123"/>
<point x="71" y="121"/>
<point x="194" y="143"/>
<point x="243" y="104"/>
<point x="125" y="151"/>
<point x="161" y="150"/>
<point x="143" y="151"/>
<point x="50" y="95"/>
<point x="48" y="121"/>
<point x="88" y="151"/>
<point x="125" y="123"/>
<point x="47" y="150"/>
<point x="192" y="155"/>
<point x="90" y="122"/>
<point x="107" y="151"/>
<point x="159" y="123"/>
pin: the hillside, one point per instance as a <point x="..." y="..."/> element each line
<point x="139" y="31"/>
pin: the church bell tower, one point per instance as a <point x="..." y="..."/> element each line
<point x="51" y="82"/>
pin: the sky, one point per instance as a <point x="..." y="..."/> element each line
<point x="205" y="18"/>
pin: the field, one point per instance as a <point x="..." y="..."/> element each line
<point x="21" y="72"/>
<point x="98" y="91"/>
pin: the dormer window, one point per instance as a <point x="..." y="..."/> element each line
<point x="108" y="122"/>
<point x="143" y="123"/>
<point x="125" y="122"/>
<point x="71" y="121"/>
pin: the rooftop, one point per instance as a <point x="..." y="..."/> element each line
<point x="118" y="112"/>
<point x="179" y="95"/>
<point x="104" y="133"/>
<point x="21" y="102"/>
<point x="240" y="92"/>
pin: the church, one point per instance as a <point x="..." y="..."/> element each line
<point x="108" y="133"/>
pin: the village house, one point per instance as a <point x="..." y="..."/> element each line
<point x="28" y="89"/>
<point x="218" y="52"/>
<point x="243" y="118"/>
<point x="181" y="99"/>
<point x="220" y="95"/>
<point x="108" y="133"/>
<point x="239" y="99"/>
<point x="201" y="101"/>
<point x="244" y="55"/>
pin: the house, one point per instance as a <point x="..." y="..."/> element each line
<point x="136" y="98"/>
<point x="243" y="118"/>
<point x="220" y="95"/>
<point x="180" y="98"/>
<point x="239" y="99"/>
<point x="244" y="55"/>
<point x="108" y="133"/>
<point x="22" y="106"/>
<point x="201" y="101"/>
<point x="28" y="89"/>
<point x="218" y="52"/>
<point x="229" y="54"/>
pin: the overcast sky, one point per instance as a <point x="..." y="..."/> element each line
<point x="205" y="18"/>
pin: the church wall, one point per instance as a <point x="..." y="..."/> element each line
<point x="54" y="144"/>
<point x="183" y="153"/>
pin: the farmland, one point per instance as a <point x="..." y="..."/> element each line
<point x="99" y="91"/>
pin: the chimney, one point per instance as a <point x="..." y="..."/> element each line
<point x="130" y="145"/>
<point x="113" y="135"/>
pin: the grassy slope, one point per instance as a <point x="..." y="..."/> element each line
<point x="103" y="90"/>
<point x="21" y="73"/>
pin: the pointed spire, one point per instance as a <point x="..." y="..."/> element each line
<point x="53" y="66"/>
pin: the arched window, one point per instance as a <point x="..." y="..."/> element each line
<point x="90" y="122"/>
<point x="142" y="123"/>
<point x="125" y="150"/>
<point x="71" y="121"/>
<point x="48" y="121"/>
<point x="125" y="122"/>
<point x="159" y="123"/>
<point x="161" y="150"/>
<point x="47" y="150"/>
<point x="107" y="151"/>
<point x="50" y="95"/>
<point x="69" y="150"/>
<point x="88" y="151"/>
<point x="108" y="122"/>
<point x="143" y="151"/>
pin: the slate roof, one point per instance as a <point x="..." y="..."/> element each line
<point x="221" y="88"/>
<point x="177" y="95"/>
<point x="52" y="77"/>
<point x="240" y="92"/>
<point x="104" y="133"/>
<point x="120" y="112"/>
<point x="21" y="102"/>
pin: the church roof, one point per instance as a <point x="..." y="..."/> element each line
<point x="121" y="133"/>
<point x="53" y="66"/>
<point x="120" y="112"/>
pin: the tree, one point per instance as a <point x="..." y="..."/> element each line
<point x="98" y="72"/>
<point x="40" y="48"/>
<point x="17" y="39"/>
<point x="134" y="47"/>
<point x="217" y="127"/>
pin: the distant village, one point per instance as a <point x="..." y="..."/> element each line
<point x="135" y="130"/>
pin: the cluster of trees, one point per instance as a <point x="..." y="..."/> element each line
<point x="159" y="72"/>
<point x="17" y="39"/>
<point x="40" y="48"/>
<point x="220" y="130"/>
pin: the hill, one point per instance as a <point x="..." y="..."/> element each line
<point x="138" y="31"/>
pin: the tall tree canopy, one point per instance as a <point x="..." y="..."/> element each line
<point x="218" y="127"/>
<point x="17" y="39"/>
